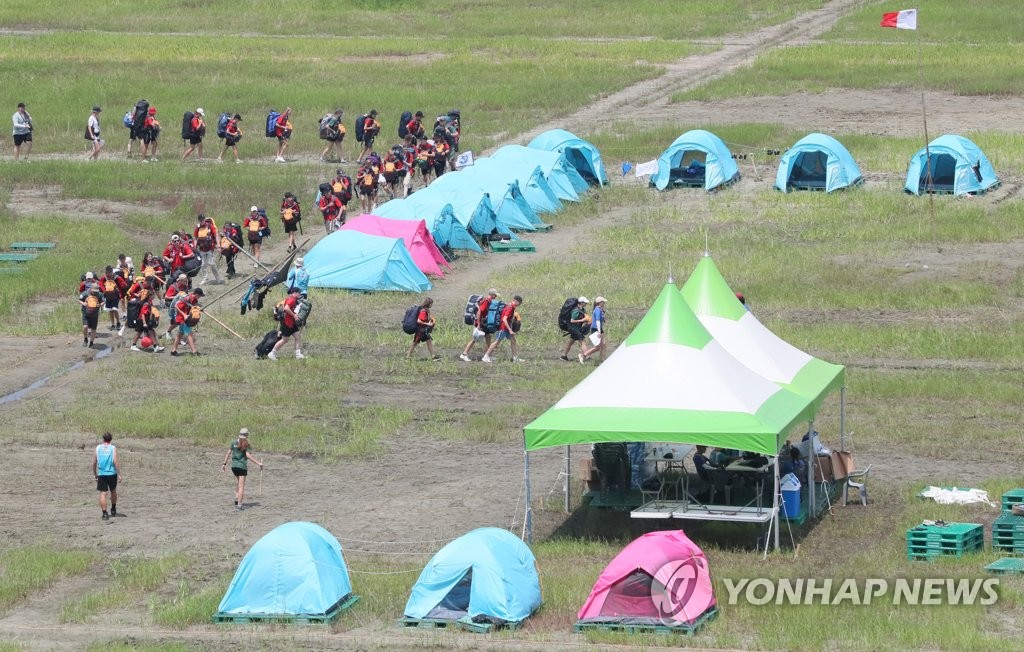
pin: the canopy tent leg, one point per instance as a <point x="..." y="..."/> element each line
<point x="565" y="479"/>
<point x="842" y="418"/>
<point x="811" y="456"/>
<point x="775" y="500"/>
<point x="528" y="518"/>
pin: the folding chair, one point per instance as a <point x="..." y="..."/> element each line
<point x="858" y="481"/>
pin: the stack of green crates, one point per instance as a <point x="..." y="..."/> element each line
<point x="1008" y="533"/>
<point x="925" y="542"/>
<point x="1011" y="498"/>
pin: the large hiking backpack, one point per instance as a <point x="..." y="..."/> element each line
<point x="132" y="314"/>
<point x="472" y="307"/>
<point x="360" y="123"/>
<point x="403" y="124"/>
<point x="326" y="133"/>
<point x="272" y="123"/>
<point x="302" y="310"/>
<point x="266" y="345"/>
<point x="411" y="320"/>
<point x="139" y="114"/>
<point x="186" y="125"/>
<point x="492" y="321"/>
<point x="565" y="313"/>
<point x="222" y="125"/>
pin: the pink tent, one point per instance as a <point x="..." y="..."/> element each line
<point x="414" y="233"/>
<point x="661" y="578"/>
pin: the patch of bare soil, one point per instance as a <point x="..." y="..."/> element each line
<point x="50" y="200"/>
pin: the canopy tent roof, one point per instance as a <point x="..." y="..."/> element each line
<point x="470" y="204"/>
<point x="414" y="235"/>
<point x="510" y="207"/>
<point x="503" y="579"/>
<point x="580" y="154"/>
<point x="818" y="161"/>
<point x="563" y="178"/>
<point x="438" y="216"/>
<point x="750" y="342"/>
<point x="295" y="569"/>
<point x="532" y="183"/>
<point x="355" y="261"/>
<point x="719" y="166"/>
<point x="957" y="165"/>
<point x="670" y="381"/>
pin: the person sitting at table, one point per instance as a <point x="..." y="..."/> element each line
<point x="700" y="462"/>
<point x="721" y="457"/>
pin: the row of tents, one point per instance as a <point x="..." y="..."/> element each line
<point x="504" y="194"/>
<point x="484" y="579"/>
<point x="950" y="164"/>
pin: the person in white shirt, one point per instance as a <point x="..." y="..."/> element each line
<point x="22" y="131"/>
<point x="92" y="132"/>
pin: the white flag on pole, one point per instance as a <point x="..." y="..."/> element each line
<point x="644" y="169"/>
<point x="464" y="160"/>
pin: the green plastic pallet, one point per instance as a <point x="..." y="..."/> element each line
<point x="512" y="245"/>
<point x="341" y="607"/>
<point x="1011" y="498"/>
<point x="1006" y="566"/>
<point x="688" y="630"/>
<point x="464" y="624"/>
<point x="947" y="532"/>
<point x="17" y="258"/>
<point x="1007" y="523"/>
<point x="11" y="270"/>
<point x="33" y="245"/>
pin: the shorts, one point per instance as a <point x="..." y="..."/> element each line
<point x="195" y="140"/>
<point x="422" y="335"/>
<point x="576" y="335"/>
<point x="240" y="473"/>
<point x="22" y="138"/>
<point x="504" y="335"/>
<point x="185" y="329"/>
<point x="231" y="142"/>
<point x="291" y="227"/>
<point x="110" y="304"/>
<point x="288" y="331"/>
<point x="368" y="141"/>
<point x="106" y="483"/>
<point x="91" y="319"/>
<point x="366" y="191"/>
<point x="150" y="136"/>
<point x="285" y="136"/>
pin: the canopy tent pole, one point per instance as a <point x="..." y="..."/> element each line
<point x="811" y="455"/>
<point x="775" y="501"/>
<point x="842" y="418"/>
<point x="565" y="479"/>
<point x="528" y="519"/>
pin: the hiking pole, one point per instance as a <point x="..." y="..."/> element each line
<point x="226" y="293"/>
<point x="259" y="494"/>
<point x="226" y="327"/>
<point x="250" y="256"/>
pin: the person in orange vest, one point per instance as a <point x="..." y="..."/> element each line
<point x="197" y="131"/>
<point x="283" y="131"/>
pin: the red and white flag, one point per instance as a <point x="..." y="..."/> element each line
<point x="906" y="19"/>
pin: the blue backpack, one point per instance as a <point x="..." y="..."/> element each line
<point x="492" y="322"/>
<point x="128" y="120"/>
<point x="222" y="125"/>
<point x="272" y="123"/>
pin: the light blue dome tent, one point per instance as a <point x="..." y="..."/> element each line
<point x="295" y="573"/>
<point x="439" y="216"/>
<point x="958" y="166"/>
<point x="532" y="184"/>
<point x="352" y="260"/>
<point x="696" y="159"/>
<point x="510" y="207"/>
<point x="563" y="178"/>
<point x="485" y="578"/>
<point x="817" y="162"/>
<point x="580" y="154"/>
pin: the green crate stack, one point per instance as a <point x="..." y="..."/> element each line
<point x="1011" y="498"/>
<point x="1008" y="533"/>
<point x="925" y="542"/>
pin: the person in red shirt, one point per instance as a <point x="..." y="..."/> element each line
<point x="146" y="323"/>
<point x="393" y="169"/>
<point x="198" y="130"/>
<point x="232" y="134"/>
<point x="187" y="312"/>
<point x="150" y="134"/>
<point x="283" y="131"/>
<point x="291" y="215"/>
<point x="370" y="130"/>
<point x="290" y="325"/>
<point x="415" y="126"/>
<point x="478" y="324"/>
<point x="113" y="287"/>
<point x="367" y="179"/>
<point x="409" y="156"/>
<point x="174" y="291"/>
<point x="424" y="326"/>
<point x="333" y="210"/>
<point x="177" y="252"/>
<point x="205" y="234"/>
<point x="254" y="226"/>
<point x="508" y="330"/>
<point x="425" y="153"/>
<point x="441" y="151"/>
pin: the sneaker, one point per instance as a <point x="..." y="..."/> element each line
<point x="255" y="265"/>
<point x="154" y="159"/>
<point x="167" y="335"/>
<point x="465" y="358"/>
<point x="582" y="358"/>
<point x="159" y="349"/>
<point x="563" y="357"/>
<point x="436" y="357"/>
<point x="486" y="359"/>
<point x="113" y="512"/>
<point x="299" y="356"/>
<point x="238" y="160"/>
<point x="106" y="516"/>
<point x="175" y="353"/>
<point x="270" y="356"/>
<point x="85" y="342"/>
<point x="135" y="348"/>
<point x="196" y="354"/>
<point x="515" y="359"/>
<point x="120" y="332"/>
<point x="91" y="342"/>
<point x="279" y="159"/>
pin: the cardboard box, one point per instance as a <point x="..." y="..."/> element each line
<point x="837" y="466"/>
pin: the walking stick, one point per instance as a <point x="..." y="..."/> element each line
<point x="225" y="326"/>
<point x="259" y="494"/>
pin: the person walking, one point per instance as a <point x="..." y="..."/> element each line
<point x="255" y="224"/>
<point x="370" y="130"/>
<point x="597" y="330"/>
<point x="290" y="324"/>
<point x="22" y="131"/>
<point x="197" y="130"/>
<point x="291" y="215"/>
<point x="510" y="321"/>
<point x="424" y="328"/>
<point x="239" y="454"/>
<point x="106" y="468"/>
<point x="150" y="136"/>
<point x="189" y="312"/>
<point x="92" y="133"/>
<point x="91" y="300"/>
<point x="478" y="324"/>
<point x="205" y="235"/>
<point x="332" y="131"/>
<point x="298" y="277"/>
<point x="578" y="321"/>
<point x="232" y="134"/>
<point x="283" y="131"/>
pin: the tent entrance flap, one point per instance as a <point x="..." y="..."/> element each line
<point x="632" y="597"/>
<point x="943" y="171"/>
<point x="810" y="170"/>
<point x="455" y="604"/>
<point x="691" y="169"/>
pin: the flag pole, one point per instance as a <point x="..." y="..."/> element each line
<point x="927" y="149"/>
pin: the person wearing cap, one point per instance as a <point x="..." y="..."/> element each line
<point x="510" y="322"/>
<point x="254" y="226"/>
<point x="298" y="277"/>
<point x="197" y="131"/>
<point x="597" y="325"/>
<point x="478" y="324"/>
<point x="232" y="134"/>
<point x="578" y="322"/>
<point x="291" y="216"/>
<point x="22" y="131"/>
<point x="332" y="131"/>
<point x="150" y="134"/>
<point x="92" y="133"/>
<point x="239" y="454"/>
<point x="370" y="130"/>
<point x="205" y="235"/>
<point x="187" y="312"/>
<point x="290" y="325"/>
<point x="424" y="327"/>
<point x="91" y="300"/>
<point x="283" y="131"/>
<point x="177" y="252"/>
<point x="742" y="299"/>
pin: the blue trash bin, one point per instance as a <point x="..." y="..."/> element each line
<point x="790" y="486"/>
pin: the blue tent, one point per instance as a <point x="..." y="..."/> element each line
<point x="580" y="154"/>
<point x="439" y="217"/>
<point x="563" y="178"/>
<point x="472" y="208"/>
<point x="487" y="573"/>
<point x="355" y="261"/>
<point x="697" y="158"/>
<point x="957" y="166"/>
<point x="297" y="569"/>
<point x="817" y="162"/>
<point x="529" y="179"/>
<point x="510" y="208"/>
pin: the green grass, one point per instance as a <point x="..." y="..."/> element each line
<point x="139" y="646"/>
<point x="936" y="21"/>
<point x="193" y="605"/>
<point x="26" y="570"/>
<point x="132" y="579"/>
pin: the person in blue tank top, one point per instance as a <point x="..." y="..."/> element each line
<point x="298" y="277"/>
<point x="106" y="468"/>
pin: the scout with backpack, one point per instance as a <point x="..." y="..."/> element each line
<point x="135" y="118"/>
<point x="491" y="322"/>
<point x="403" y="124"/>
<point x="565" y="316"/>
<point x="222" y="125"/>
<point x="272" y="117"/>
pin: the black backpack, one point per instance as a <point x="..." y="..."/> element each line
<point x="565" y="314"/>
<point x="139" y="116"/>
<point x="222" y="125"/>
<point x="492" y="321"/>
<point x="360" y="123"/>
<point x="472" y="308"/>
<point x="132" y="318"/>
<point x="411" y="320"/>
<point x="403" y="124"/>
<point x="266" y="345"/>
<point x="186" y="125"/>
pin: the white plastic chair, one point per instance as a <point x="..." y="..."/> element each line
<point x="858" y="481"/>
